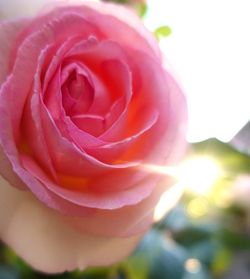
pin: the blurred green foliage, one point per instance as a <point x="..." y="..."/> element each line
<point x="162" y="31"/>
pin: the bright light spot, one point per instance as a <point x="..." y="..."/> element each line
<point x="198" y="207"/>
<point x="193" y="266"/>
<point x="167" y="201"/>
<point x="197" y="174"/>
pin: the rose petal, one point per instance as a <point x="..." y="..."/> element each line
<point x="169" y="101"/>
<point x="69" y="159"/>
<point x="32" y="136"/>
<point x="48" y="243"/>
<point x="85" y="196"/>
<point x="110" y="15"/>
<point x="7" y="172"/>
<point x="136" y="34"/>
<point x="128" y="220"/>
<point x="9" y="32"/>
<point x="118" y="150"/>
<point x="67" y="128"/>
<point x="20" y="81"/>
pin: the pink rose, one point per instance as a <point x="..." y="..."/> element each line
<point x="84" y="103"/>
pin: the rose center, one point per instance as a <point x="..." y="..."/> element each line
<point x="77" y="94"/>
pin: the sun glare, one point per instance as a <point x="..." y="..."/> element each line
<point x="196" y="175"/>
<point x="167" y="201"/>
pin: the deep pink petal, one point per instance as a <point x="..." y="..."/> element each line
<point x="92" y="124"/>
<point x="118" y="150"/>
<point x="70" y="160"/>
<point x="116" y="75"/>
<point x="63" y="122"/>
<point x="88" y="198"/>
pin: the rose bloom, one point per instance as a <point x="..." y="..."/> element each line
<point x="85" y="104"/>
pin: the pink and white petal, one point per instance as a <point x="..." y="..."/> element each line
<point x="179" y="124"/>
<point x="41" y="237"/>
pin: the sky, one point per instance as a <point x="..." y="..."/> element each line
<point x="209" y="50"/>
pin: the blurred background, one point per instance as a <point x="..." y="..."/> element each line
<point x="207" y="234"/>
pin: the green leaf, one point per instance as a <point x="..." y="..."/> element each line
<point x="136" y="268"/>
<point x="157" y="257"/>
<point x="142" y="9"/>
<point x="162" y="31"/>
<point x="222" y="261"/>
<point x="234" y="240"/>
<point x="195" y="234"/>
<point x="17" y="264"/>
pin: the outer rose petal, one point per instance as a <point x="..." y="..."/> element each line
<point x="128" y="17"/>
<point x="19" y="8"/>
<point x="39" y="235"/>
<point x="7" y="169"/>
<point x="8" y="34"/>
